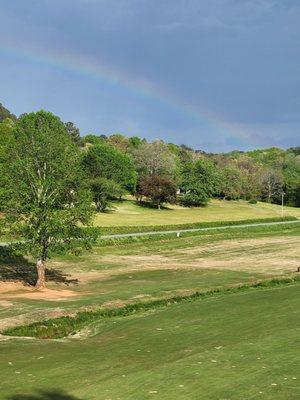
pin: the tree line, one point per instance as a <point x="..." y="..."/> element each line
<point x="164" y="172"/>
<point x="158" y="172"/>
<point x="52" y="179"/>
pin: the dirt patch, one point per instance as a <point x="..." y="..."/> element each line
<point x="5" y="304"/>
<point x="114" y="304"/>
<point x="242" y="245"/>
<point x="272" y="255"/>
<point x="265" y="255"/>
<point x="131" y="264"/>
<point x="47" y="294"/>
<point x="6" y="287"/>
<point x="13" y="290"/>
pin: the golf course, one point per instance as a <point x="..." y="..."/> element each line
<point x="211" y="314"/>
<point x="149" y="200"/>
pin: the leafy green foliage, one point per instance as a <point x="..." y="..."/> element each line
<point x="105" y="161"/>
<point x="261" y="174"/>
<point x="73" y="132"/>
<point x="155" y="159"/>
<point x="158" y="189"/>
<point x="135" y="142"/>
<point x="91" y="139"/>
<point x="231" y="185"/>
<point x="6" y="128"/>
<point x="46" y="194"/>
<point x="291" y="179"/>
<point x="200" y="182"/>
<point x="5" y="113"/>
<point x="294" y="150"/>
<point x="119" y="142"/>
<point x="103" y="190"/>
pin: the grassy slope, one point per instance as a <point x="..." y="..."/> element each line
<point x="126" y="284"/>
<point x="241" y="346"/>
<point x="127" y="213"/>
<point x="167" y="353"/>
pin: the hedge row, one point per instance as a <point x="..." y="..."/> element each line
<point x="114" y="230"/>
<point x="65" y="326"/>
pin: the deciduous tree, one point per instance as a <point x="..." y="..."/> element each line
<point x="73" y="132"/>
<point x="5" y="113"/>
<point x="104" y="190"/>
<point x="158" y="189"/>
<point x="200" y="182"/>
<point x="271" y="183"/>
<point x="6" y="128"/>
<point x="105" y="161"/>
<point x="48" y="198"/>
<point x="155" y="159"/>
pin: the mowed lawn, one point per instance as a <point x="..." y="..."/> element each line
<point x="236" y="346"/>
<point x="112" y="276"/>
<point x="128" y="213"/>
<point x="239" y="346"/>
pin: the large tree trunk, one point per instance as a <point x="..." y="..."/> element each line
<point x="41" y="281"/>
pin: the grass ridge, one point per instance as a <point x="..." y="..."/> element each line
<point x="119" y="241"/>
<point x="105" y="230"/>
<point x="64" y="326"/>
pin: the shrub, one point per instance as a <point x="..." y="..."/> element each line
<point x="252" y="201"/>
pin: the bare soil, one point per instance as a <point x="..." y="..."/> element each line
<point x="13" y="290"/>
<point x="277" y="255"/>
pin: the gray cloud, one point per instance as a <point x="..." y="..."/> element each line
<point x="239" y="59"/>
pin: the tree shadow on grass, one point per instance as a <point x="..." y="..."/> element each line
<point x="44" y="395"/>
<point x="15" y="268"/>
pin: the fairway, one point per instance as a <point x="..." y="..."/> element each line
<point x="114" y="275"/>
<point x="128" y="213"/>
<point x="234" y="347"/>
<point x="149" y="200"/>
<point x="230" y="346"/>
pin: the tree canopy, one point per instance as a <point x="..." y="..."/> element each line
<point x="117" y="163"/>
<point x="46" y="193"/>
<point x="200" y="182"/>
<point x="5" y="113"/>
<point x="159" y="189"/>
<point x="105" y="161"/>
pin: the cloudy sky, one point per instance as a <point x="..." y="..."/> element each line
<point x="214" y="74"/>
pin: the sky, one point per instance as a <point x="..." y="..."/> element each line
<point x="216" y="75"/>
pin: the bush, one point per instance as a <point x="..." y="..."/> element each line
<point x="252" y="201"/>
<point x="195" y="197"/>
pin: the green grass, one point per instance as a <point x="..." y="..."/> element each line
<point x="238" y="346"/>
<point x="64" y="326"/>
<point x="213" y="235"/>
<point x="111" y="230"/>
<point x="128" y="213"/>
<point x="216" y="344"/>
<point x="127" y="285"/>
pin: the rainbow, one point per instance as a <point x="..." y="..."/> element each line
<point x="104" y="74"/>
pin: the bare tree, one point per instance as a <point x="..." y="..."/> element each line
<point x="271" y="184"/>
